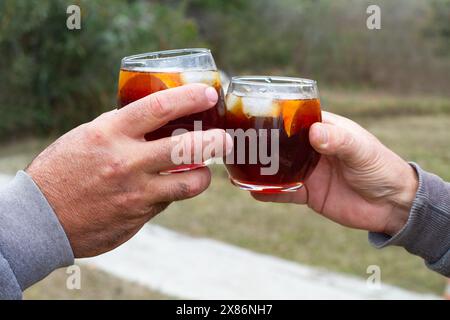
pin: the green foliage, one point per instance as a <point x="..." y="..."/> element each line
<point x="218" y="5"/>
<point x="439" y="25"/>
<point x="54" y="78"/>
<point x="328" y="40"/>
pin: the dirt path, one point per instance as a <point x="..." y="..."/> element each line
<point x="196" y="268"/>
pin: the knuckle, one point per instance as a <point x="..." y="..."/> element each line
<point x="347" y="141"/>
<point x="104" y="116"/>
<point x="159" y="105"/>
<point x="191" y="94"/>
<point x="96" y="135"/>
<point x="159" y="153"/>
<point x="139" y="201"/>
<point x="128" y="200"/>
<point x="114" y="167"/>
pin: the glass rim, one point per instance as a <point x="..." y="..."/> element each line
<point x="167" y="55"/>
<point x="276" y="81"/>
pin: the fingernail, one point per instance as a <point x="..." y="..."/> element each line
<point x="323" y="137"/>
<point x="211" y="95"/>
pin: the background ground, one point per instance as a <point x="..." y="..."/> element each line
<point x="394" y="80"/>
<point x="293" y="232"/>
<point x="95" y="284"/>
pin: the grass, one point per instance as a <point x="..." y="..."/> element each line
<point x="373" y="104"/>
<point x="95" y="284"/>
<point x="296" y="233"/>
<point x="416" y="128"/>
<point x="16" y="155"/>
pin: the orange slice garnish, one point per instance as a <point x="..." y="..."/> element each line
<point x="170" y="80"/>
<point x="291" y="111"/>
<point x="136" y="85"/>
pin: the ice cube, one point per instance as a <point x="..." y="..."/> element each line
<point x="260" y="107"/>
<point x="211" y="78"/>
<point x="233" y="103"/>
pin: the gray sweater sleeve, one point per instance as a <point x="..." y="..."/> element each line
<point x="32" y="241"/>
<point x="427" y="231"/>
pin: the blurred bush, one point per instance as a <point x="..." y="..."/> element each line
<point x="328" y="40"/>
<point x="54" y="79"/>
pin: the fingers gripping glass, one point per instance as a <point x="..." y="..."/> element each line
<point x="144" y="74"/>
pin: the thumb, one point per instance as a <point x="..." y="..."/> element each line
<point x="332" y="140"/>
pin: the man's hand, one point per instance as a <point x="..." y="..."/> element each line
<point x="102" y="178"/>
<point x="358" y="182"/>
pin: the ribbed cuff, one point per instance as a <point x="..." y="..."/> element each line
<point x="426" y="232"/>
<point x="32" y="239"/>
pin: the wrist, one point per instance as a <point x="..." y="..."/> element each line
<point x="402" y="200"/>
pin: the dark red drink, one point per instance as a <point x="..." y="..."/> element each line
<point x="146" y="74"/>
<point x="291" y="119"/>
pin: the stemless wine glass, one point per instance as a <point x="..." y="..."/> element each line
<point x="269" y="119"/>
<point x="144" y="74"/>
